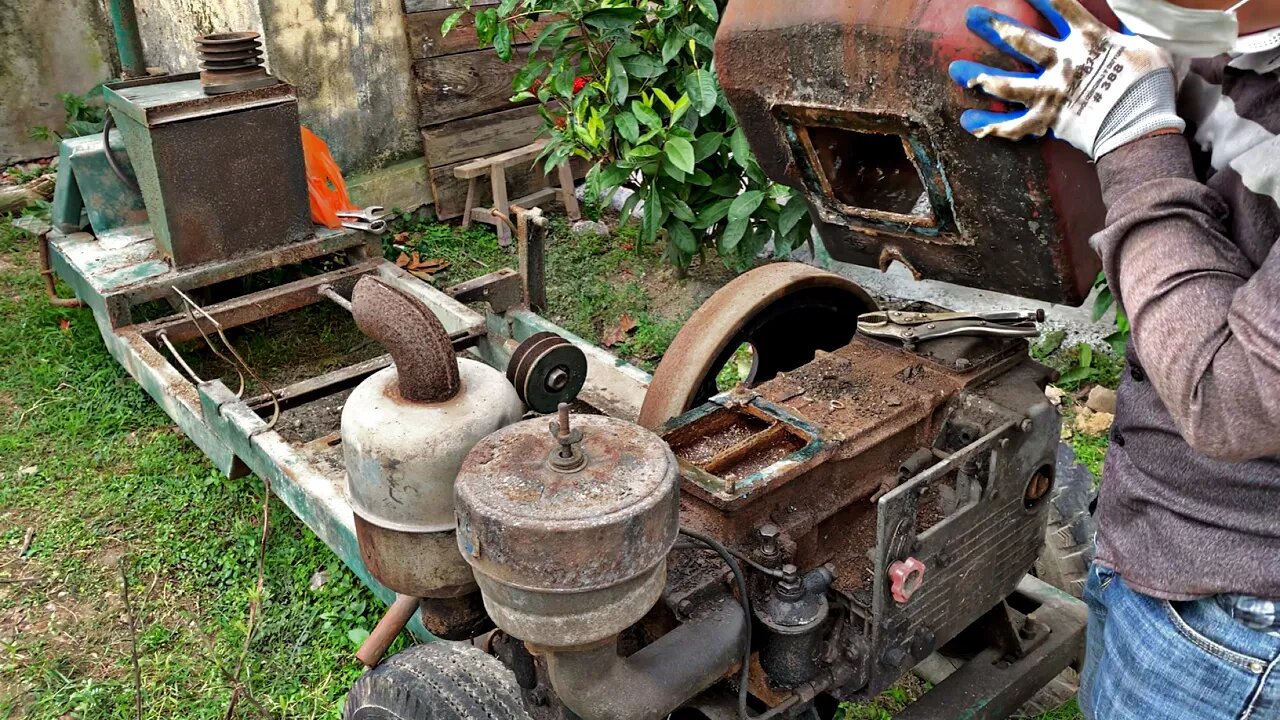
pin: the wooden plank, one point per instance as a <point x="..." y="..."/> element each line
<point x="484" y="165"/>
<point x="481" y="136"/>
<point x="453" y="87"/>
<point x="425" y="40"/>
<point x="417" y="6"/>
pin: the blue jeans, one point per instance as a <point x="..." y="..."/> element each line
<point x="1150" y="659"/>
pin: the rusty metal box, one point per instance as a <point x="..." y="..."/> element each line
<point x="222" y="175"/>
<point x="850" y="102"/>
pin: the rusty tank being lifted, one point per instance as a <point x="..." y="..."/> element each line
<point x="849" y="102"/>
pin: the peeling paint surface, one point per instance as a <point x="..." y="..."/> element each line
<point x="350" y="62"/>
<point x="170" y="27"/>
<point x="46" y="48"/>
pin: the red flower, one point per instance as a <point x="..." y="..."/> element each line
<point x="561" y="121"/>
<point x="580" y="83"/>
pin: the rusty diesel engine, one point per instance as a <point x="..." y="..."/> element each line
<point x="801" y="539"/>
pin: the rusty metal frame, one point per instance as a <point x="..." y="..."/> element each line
<point x="113" y="278"/>
<point x="938" y="227"/>
<point x="233" y="433"/>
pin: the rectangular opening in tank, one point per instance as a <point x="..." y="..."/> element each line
<point x="709" y="436"/>
<point x="869" y="171"/>
<point x="730" y="445"/>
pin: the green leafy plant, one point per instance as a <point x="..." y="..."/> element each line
<point x="85" y="116"/>
<point x="1119" y="340"/>
<point x="631" y="87"/>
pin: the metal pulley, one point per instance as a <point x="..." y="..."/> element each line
<point x="547" y="370"/>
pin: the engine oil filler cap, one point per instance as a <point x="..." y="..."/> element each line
<point x="563" y="557"/>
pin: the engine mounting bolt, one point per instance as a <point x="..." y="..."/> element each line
<point x="963" y="364"/>
<point x="1026" y="425"/>
<point x="769" y="539"/>
<point x="568" y="458"/>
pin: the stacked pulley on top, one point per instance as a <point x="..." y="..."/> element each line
<point x="547" y="370"/>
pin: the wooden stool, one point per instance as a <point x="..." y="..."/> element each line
<point x="495" y="166"/>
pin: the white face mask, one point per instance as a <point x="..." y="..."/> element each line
<point x="1189" y="32"/>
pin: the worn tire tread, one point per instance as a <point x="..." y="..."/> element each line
<point x="1069" y="538"/>
<point x="437" y="681"/>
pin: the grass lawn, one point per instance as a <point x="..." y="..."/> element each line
<point x="96" y="485"/>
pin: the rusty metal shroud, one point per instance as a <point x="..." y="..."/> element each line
<point x="850" y="102"/>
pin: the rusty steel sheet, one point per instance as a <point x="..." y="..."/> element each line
<point x="851" y="103"/>
<point x="222" y="175"/>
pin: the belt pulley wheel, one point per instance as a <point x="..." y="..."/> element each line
<point x="785" y="311"/>
<point x="547" y="370"/>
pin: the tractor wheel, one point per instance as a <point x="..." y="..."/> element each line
<point x="437" y="681"/>
<point x="1068" y="548"/>
<point x="785" y="311"/>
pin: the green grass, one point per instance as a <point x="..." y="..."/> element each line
<point x="592" y="281"/>
<point x="95" y="468"/>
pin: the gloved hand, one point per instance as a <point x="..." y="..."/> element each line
<point x="1093" y="87"/>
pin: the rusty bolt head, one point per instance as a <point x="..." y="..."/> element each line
<point x="769" y="539"/>
<point x="963" y="364"/>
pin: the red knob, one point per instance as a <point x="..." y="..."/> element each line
<point x="906" y="577"/>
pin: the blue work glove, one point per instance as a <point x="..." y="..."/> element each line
<point x="1093" y="87"/>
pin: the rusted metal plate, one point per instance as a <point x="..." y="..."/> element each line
<point x="851" y="103"/>
<point x="222" y="175"/>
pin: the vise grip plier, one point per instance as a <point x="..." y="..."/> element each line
<point x="370" y="219"/>
<point x="910" y="328"/>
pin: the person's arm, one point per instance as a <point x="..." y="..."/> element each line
<point x="1206" y="326"/>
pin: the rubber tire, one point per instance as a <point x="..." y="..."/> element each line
<point x="437" y="681"/>
<point x="1069" y="537"/>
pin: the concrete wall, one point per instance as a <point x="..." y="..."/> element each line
<point x="46" y="47"/>
<point x="349" y="60"/>
<point x="169" y="27"/>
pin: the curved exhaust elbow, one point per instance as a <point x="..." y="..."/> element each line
<point x="598" y="684"/>
<point x="423" y="354"/>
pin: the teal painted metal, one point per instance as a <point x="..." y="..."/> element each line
<point x="124" y="21"/>
<point x="316" y="498"/>
<point x="89" y="191"/>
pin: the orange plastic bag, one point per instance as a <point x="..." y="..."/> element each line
<point x="325" y="186"/>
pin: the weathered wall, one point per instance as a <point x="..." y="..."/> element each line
<point x="47" y="47"/>
<point x="349" y="60"/>
<point x="169" y="27"/>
